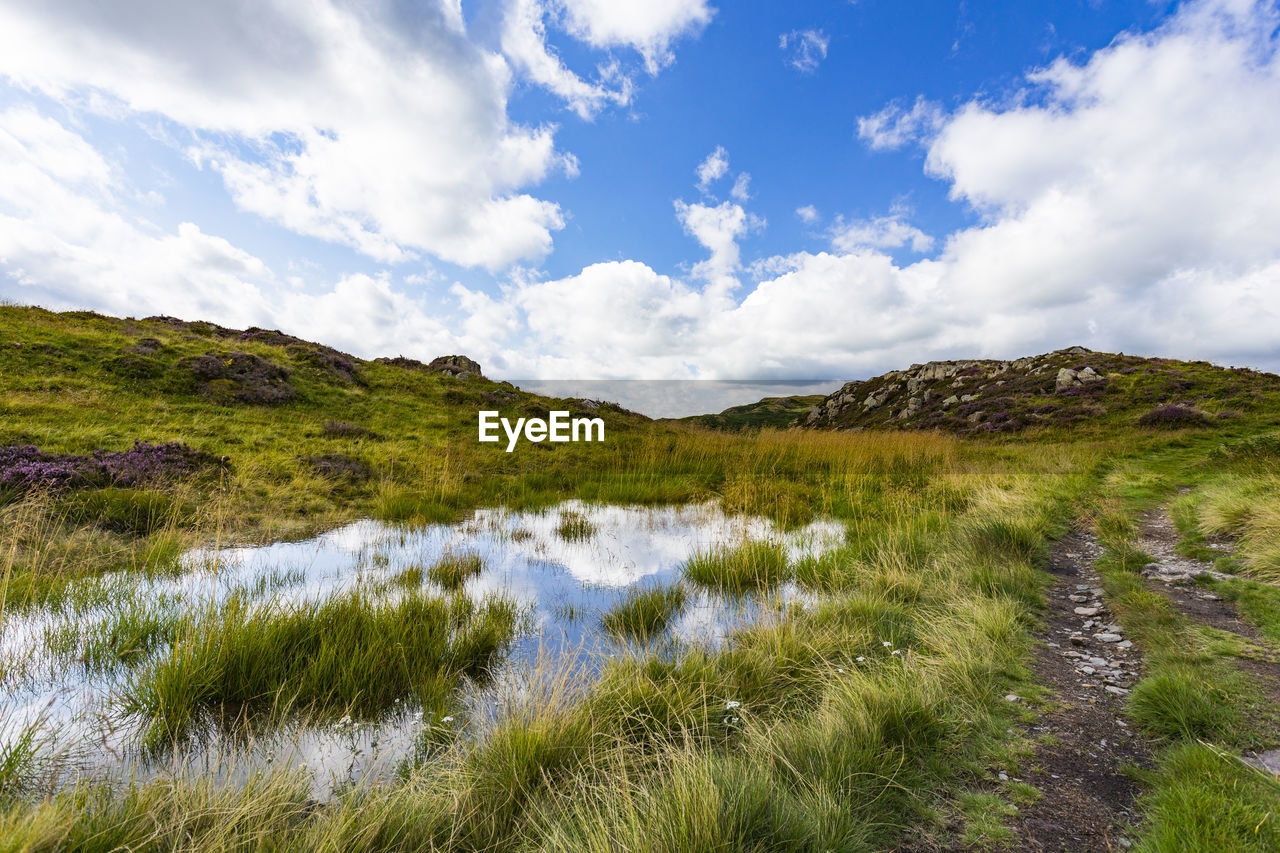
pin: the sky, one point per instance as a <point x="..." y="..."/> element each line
<point x="675" y="189"/>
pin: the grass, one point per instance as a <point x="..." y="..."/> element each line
<point x="1201" y="798"/>
<point x="738" y="569"/>
<point x="574" y="526"/>
<point x="453" y="570"/>
<point x="347" y="654"/>
<point x="644" y="613"/>
<point x="860" y="721"/>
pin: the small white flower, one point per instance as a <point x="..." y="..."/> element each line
<point x="841" y="671"/>
<point x="730" y="705"/>
<point x="861" y="659"/>
<point x="887" y="644"/>
<point x="446" y="719"/>
<point x="896" y="652"/>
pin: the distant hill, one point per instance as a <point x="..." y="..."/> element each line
<point x="1068" y="387"/>
<point x="777" y="412"/>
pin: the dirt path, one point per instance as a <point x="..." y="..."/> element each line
<point x="1089" y="667"/>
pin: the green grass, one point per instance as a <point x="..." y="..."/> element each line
<point x="453" y="570"/>
<point x="644" y="612"/>
<point x="739" y="569"/>
<point x="1200" y="798"/>
<point x="347" y="654"/>
<point x="574" y="526"/>
<point x="859" y="722"/>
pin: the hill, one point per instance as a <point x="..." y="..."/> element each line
<point x="776" y="412"/>
<point x="307" y="429"/>
<point x="1069" y="387"/>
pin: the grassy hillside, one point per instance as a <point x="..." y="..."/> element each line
<point x="767" y="413"/>
<point x="1074" y="388"/>
<point x="871" y="712"/>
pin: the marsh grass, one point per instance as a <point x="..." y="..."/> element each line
<point x="574" y="526"/>
<point x="453" y="570"/>
<point x="643" y="613"/>
<point x="738" y="569"/>
<point x="347" y="654"/>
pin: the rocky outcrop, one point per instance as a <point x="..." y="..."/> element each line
<point x="457" y="366"/>
<point x="965" y="395"/>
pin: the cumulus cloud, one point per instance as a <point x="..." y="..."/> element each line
<point x="1125" y="200"/>
<point x="895" y="127"/>
<point x="806" y="49"/>
<point x="718" y="228"/>
<point x="649" y="28"/>
<point x="524" y="42"/>
<point x="66" y="242"/>
<point x="387" y="135"/>
<point x="741" y="187"/>
<point x="1127" y="203"/>
<point x="712" y="169"/>
<point x="808" y="214"/>
<point x="882" y="232"/>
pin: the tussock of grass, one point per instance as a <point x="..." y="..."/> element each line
<point x="1202" y="799"/>
<point x="644" y="612"/>
<point x="574" y="526"/>
<point x="1187" y="702"/>
<point x="737" y="569"/>
<point x="346" y="654"/>
<point x="451" y="571"/>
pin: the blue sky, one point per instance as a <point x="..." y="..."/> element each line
<point x="580" y="189"/>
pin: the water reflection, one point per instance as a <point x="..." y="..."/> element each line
<point x="563" y="586"/>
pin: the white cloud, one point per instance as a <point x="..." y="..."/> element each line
<point x="894" y="127"/>
<point x="524" y="42"/>
<point x="650" y="27"/>
<point x="808" y="214"/>
<point x="65" y="243"/>
<point x="1129" y="205"/>
<point x="741" y="187"/>
<point x="712" y="169"/>
<point x="718" y="228"/>
<point x="387" y="135"/>
<point x="882" y="232"/>
<point x="808" y="49"/>
<point x="1126" y="201"/>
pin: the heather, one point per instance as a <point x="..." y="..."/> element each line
<point x="25" y="468"/>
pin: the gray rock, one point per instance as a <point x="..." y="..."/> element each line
<point x="1108" y="638"/>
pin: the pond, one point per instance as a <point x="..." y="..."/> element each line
<point x="563" y="567"/>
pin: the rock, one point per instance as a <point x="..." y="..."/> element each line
<point x="1108" y="638"/>
<point x="950" y="401"/>
<point x="1067" y="378"/>
<point x="1012" y="697"/>
<point x="1086" y="611"/>
<point x="1118" y="691"/>
<point x="457" y="366"/>
<point x="968" y="398"/>
<point x="1125" y="644"/>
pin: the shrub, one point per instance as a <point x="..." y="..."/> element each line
<point x="24" y="467"/>
<point x="1173" y="416"/>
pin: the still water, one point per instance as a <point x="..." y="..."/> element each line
<point x="561" y="585"/>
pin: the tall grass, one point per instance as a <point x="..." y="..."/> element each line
<point x="644" y="612"/>
<point x="350" y="653"/>
<point x="738" y="569"/>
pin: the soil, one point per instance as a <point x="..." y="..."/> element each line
<point x="1087" y="799"/>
